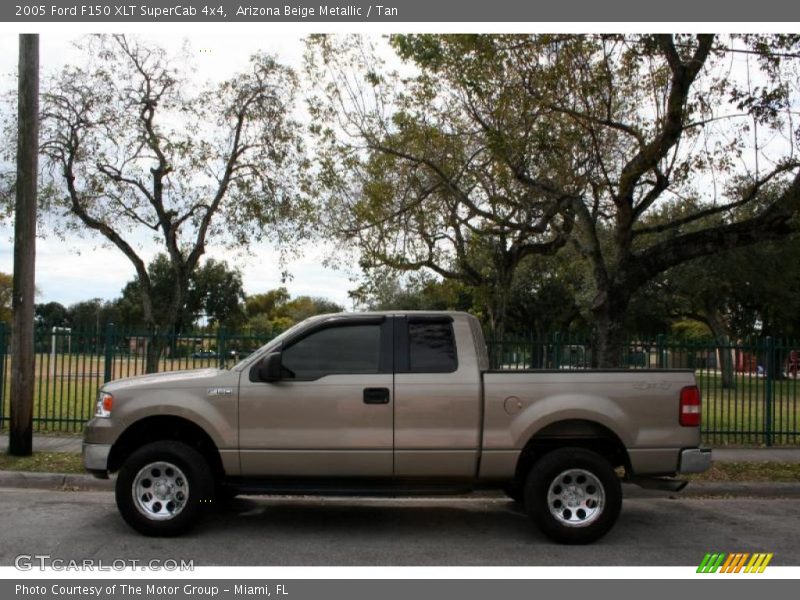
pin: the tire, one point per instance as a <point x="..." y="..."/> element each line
<point x="163" y="488"/>
<point x="573" y="495"/>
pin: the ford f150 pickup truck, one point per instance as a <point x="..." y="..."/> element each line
<point x="392" y="403"/>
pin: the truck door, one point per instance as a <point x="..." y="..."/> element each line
<point x="331" y="414"/>
<point x="437" y="402"/>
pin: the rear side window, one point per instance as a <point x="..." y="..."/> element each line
<point x="346" y="349"/>
<point x="431" y="347"/>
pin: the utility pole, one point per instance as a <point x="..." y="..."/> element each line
<point x="22" y="356"/>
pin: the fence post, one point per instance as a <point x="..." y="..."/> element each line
<point x="768" y="390"/>
<point x="557" y="350"/>
<point x="221" y="347"/>
<point x="108" y="351"/>
<point x="3" y="351"/>
<point x="661" y="351"/>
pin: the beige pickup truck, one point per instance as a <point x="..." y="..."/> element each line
<point x="393" y="403"/>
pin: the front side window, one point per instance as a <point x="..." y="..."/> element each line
<point x="343" y="349"/>
<point x="431" y="347"/>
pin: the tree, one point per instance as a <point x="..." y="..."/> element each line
<point x="416" y="291"/>
<point x="591" y="135"/>
<point x="274" y="311"/>
<point x="731" y="291"/>
<point x="136" y="151"/>
<point x="92" y="316"/>
<point x="218" y="292"/>
<point x="51" y="314"/>
<point x="412" y="179"/>
<point x="646" y="123"/>
<point x="542" y="298"/>
<point x="303" y="307"/>
<point x="214" y="290"/>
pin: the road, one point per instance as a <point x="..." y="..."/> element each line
<point x="654" y="531"/>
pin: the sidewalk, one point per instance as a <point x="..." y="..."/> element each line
<point x="766" y="489"/>
<point x="49" y="443"/>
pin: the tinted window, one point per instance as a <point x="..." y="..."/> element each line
<point x="431" y="348"/>
<point x="346" y="349"/>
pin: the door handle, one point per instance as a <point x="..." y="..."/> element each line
<point x="376" y="395"/>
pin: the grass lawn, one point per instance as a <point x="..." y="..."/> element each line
<point x="43" y="462"/>
<point x="770" y="471"/>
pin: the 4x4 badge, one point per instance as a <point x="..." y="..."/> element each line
<point x="219" y="392"/>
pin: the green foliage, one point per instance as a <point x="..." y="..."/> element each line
<point x="52" y="314"/>
<point x="273" y="312"/>
<point x="415" y="180"/>
<point x="386" y="291"/>
<point x="92" y="315"/>
<point x="215" y="291"/>
<point x="489" y="149"/>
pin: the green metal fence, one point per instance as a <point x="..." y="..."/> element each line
<point x="749" y="389"/>
<point x="71" y="365"/>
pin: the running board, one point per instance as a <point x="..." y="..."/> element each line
<point x="344" y="487"/>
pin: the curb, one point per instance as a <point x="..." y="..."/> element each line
<point x="695" y="489"/>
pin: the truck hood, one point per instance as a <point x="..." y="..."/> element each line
<point x="173" y="379"/>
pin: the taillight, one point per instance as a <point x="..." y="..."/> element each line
<point x="690" y="407"/>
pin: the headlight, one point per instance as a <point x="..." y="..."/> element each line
<point x="104" y="403"/>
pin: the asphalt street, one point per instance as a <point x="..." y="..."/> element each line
<point x="657" y="530"/>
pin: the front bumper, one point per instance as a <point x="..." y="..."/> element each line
<point x="694" y="460"/>
<point x="95" y="457"/>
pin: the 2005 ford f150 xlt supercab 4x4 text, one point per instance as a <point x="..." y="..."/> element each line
<point x="393" y="403"/>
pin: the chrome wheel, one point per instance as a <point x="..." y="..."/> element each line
<point x="160" y="491"/>
<point x="576" y="498"/>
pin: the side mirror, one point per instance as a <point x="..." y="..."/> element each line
<point x="269" y="369"/>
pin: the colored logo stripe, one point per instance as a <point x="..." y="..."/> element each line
<point x="734" y="563"/>
<point x="758" y="563"/>
<point x="711" y="562"/>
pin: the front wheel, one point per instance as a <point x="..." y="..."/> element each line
<point x="163" y="488"/>
<point x="573" y="495"/>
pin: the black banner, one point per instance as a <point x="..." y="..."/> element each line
<point x="404" y="589"/>
<point x="396" y="11"/>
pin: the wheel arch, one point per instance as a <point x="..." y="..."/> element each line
<point x="580" y="433"/>
<point x="165" y="428"/>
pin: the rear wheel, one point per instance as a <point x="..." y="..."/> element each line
<point x="573" y="495"/>
<point x="163" y="488"/>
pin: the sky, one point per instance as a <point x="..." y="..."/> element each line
<point x="81" y="267"/>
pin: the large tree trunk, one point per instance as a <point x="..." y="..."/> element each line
<point x="724" y="350"/>
<point x="498" y="313"/>
<point x="608" y="334"/>
<point x="163" y="333"/>
<point x="153" y="351"/>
